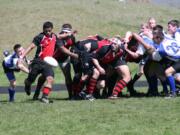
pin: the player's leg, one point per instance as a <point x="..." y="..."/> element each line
<point x="35" y="69"/>
<point x="40" y="83"/>
<point x="49" y="75"/>
<point x="170" y="78"/>
<point x="12" y="80"/>
<point x="123" y="71"/>
<point x="66" y="69"/>
<point x="11" y="89"/>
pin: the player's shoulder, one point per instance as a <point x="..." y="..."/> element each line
<point x="54" y="35"/>
<point x="39" y="36"/>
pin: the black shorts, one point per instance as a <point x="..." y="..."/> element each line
<point x="118" y="62"/>
<point x="39" y="67"/>
<point x="176" y="66"/>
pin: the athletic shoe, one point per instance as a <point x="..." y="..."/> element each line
<point x="90" y="97"/>
<point x="27" y="88"/>
<point x="178" y="91"/>
<point x="113" y="97"/>
<point x="86" y="96"/>
<point x="46" y="100"/>
<point x="36" y="95"/>
<point x="83" y="94"/>
<point x="35" y="98"/>
<point x="77" y="97"/>
<point x="11" y="100"/>
<point x="172" y="95"/>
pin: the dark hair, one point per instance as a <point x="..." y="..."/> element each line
<point x="47" y="25"/>
<point x="67" y="25"/>
<point x="132" y="42"/>
<point x="16" y="46"/>
<point x="174" y="23"/>
<point x="158" y="34"/>
<point x="158" y="27"/>
<point x="66" y="28"/>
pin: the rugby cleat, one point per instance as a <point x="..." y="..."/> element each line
<point x="113" y="97"/>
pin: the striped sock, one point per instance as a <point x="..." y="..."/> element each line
<point x="91" y="85"/>
<point x="119" y="87"/>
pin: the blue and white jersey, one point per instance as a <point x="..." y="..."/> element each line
<point x="167" y="36"/>
<point x="169" y="48"/>
<point x="141" y="50"/>
<point x="177" y="35"/>
<point x="11" y="61"/>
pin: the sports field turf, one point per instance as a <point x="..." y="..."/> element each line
<point x="125" y="116"/>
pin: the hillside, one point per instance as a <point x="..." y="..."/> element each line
<point x="22" y="20"/>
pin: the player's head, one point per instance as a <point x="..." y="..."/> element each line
<point x="173" y="25"/>
<point x="151" y="22"/>
<point x="47" y="28"/>
<point x="66" y="28"/>
<point x="158" y="27"/>
<point x="158" y="36"/>
<point x="116" y="43"/>
<point x="18" y="49"/>
<point x="144" y="27"/>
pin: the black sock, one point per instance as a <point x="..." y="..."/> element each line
<point x="135" y="78"/>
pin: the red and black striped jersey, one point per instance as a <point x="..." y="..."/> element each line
<point x="45" y="45"/>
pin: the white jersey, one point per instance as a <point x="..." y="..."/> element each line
<point x="141" y="50"/>
<point x="176" y="35"/>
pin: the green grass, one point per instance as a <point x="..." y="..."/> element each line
<point x="126" y="116"/>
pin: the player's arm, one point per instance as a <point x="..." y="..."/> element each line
<point x="60" y="45"/>
<point x="98" y="66"/>
<point x="133" y="54"/>
<point x="28" y="50"/>
<point x="21" y="66"/>
<point x="148" y="47"/>
<point x="68" y="52"/>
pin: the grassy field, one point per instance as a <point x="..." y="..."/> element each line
<point x="126" y="116"/>
<point x="21" y="20"/>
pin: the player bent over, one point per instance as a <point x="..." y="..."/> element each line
<point x="12" y="63"/>
<point x="113" y="55"/>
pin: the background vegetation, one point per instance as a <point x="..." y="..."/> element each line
<point x="21" y="20"/>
